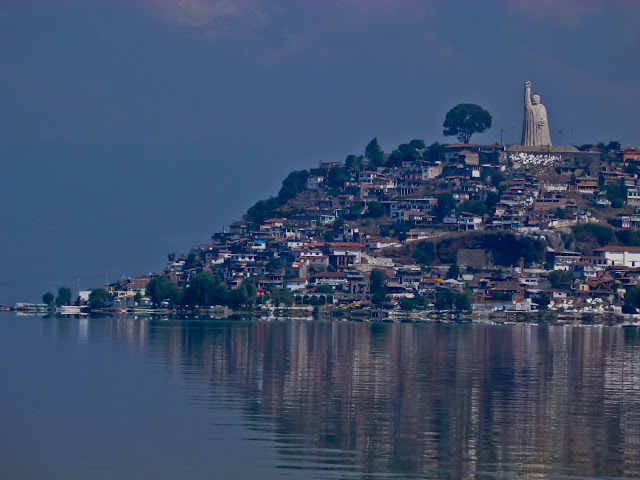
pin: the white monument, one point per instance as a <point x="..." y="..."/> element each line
<point x="535" y="127"/>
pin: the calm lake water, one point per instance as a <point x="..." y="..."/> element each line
<point x="164" y="399"/>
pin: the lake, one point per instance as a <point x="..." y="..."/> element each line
<point x="107" y="398"/>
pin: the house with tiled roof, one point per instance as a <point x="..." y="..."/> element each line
<point x="620" y="255"/>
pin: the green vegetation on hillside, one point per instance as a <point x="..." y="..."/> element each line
<point x="588" y="237"/>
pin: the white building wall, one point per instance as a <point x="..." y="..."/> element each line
<point x="625" y="259"/>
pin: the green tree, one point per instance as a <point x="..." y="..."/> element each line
<point x="454" y="271"/>
<point x="161" y="289"/>
<point x="444" y="300"/>
<point x="632" y="169"/>
<point x="274" y="264"/>
<point x="64" y="296"/>
<point x="191" y="261"/>
<point x="205" y="289"/>
<point x="356" y="208"/>
<point x="585" y="146"/>
<point x="295" y="183"/>
<point x="464" y="120"/>
<point x="338" y="176"/>
<point x="404" y="153"/>
<point x="374" y="154"/>
<point x="632" y="297"/>
<point x="417" y="144"/>
<point x="377" y="286"/>
<point x="98" y="297"/>
<point x="542" y="300"/>
<point x="446" y="203"/>
<point x="492" y="200"/>
<point x="375" y="209"/>
<point x="261" y="211"/>
<point x="472" y="206"/>
<point x="237" y="298"/>
<point x="559" y="278"/>
<point x="137" y="298"/>
<point x="424" y="253"/>
<point x="617" y="193"/>
<point x="613" y="146"/>
<point x="435" y="152"/>
<point x="462" y="302"/>
<point x="559" y="213"/>
<point x="282" y="297"/>
<point x="244" y="295"/>
<point x="354" y="162"/>
<point x="494" y="177"/>
<point x="408" y="304"/>
<point x="249" y="285"/>
<point x="48" y="299"/>
<point x="324" y="289"/>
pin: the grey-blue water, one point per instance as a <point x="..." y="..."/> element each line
<point x="164" y="399"/>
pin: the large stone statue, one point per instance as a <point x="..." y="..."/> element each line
<point x="535" y="127"/>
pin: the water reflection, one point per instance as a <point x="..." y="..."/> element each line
<point x="362" y="400"/>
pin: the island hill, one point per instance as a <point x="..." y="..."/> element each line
<point x="414" y="232"/>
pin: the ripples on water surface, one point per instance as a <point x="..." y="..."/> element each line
<point x="349" y="400"/>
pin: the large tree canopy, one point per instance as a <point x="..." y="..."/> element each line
<point x="98" y="297"/>
<point x="205" y="290"/>
<point x="466" y="119"/>
<point x="295" y="183"/>
<point x="64" y="296"/>
<point x="374" y="153"/>
<point x="48" y="299"/>
<point x="162" y="289"/>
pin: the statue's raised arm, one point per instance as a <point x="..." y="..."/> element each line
<point x="527" y="94"/>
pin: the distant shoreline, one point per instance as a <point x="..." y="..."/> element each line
<point x="334" y="314"/>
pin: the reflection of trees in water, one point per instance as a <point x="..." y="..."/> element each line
<point x="422" y="398"/>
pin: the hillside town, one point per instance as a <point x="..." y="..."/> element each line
<point x="424" y="229"/>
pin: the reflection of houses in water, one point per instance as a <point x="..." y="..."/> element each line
<point x="423" y="397"/>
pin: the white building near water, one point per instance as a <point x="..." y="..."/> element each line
<point x="620" y="256"/>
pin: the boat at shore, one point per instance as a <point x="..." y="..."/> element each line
<point x="30" y="307"/>
<point x="71" y="310"/>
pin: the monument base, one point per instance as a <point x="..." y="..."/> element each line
<point x="560" y="153"/>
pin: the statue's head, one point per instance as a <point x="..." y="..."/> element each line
<point x="535" y="99"/>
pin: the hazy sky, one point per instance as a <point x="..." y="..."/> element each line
<point x="129" y="130"/>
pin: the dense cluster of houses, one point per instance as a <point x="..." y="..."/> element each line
<point x="313" y="249"/>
